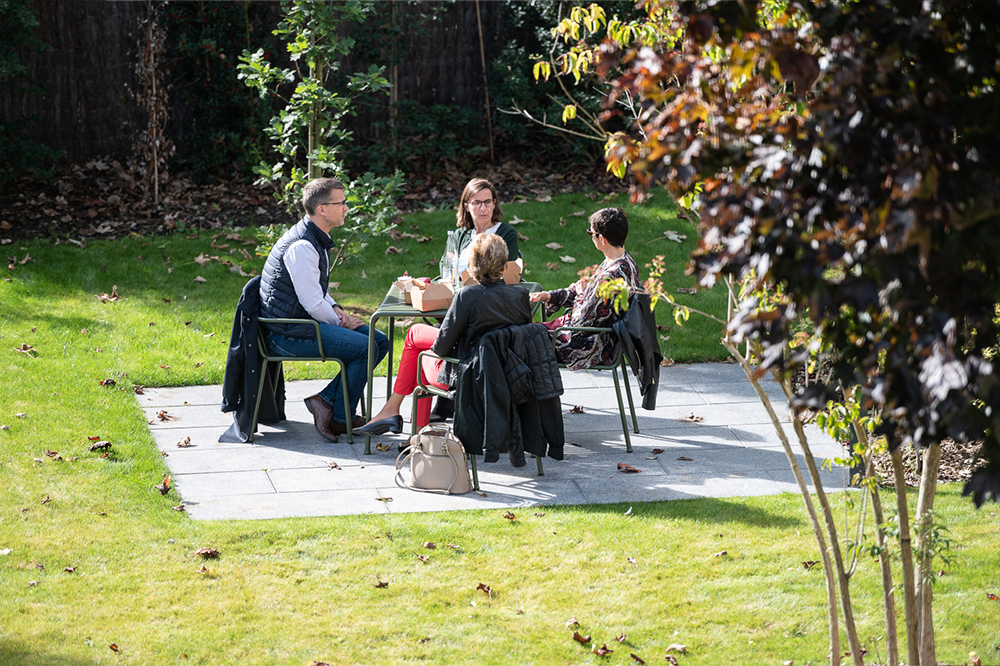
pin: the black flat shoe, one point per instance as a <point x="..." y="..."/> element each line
<point x="393" y="424"/>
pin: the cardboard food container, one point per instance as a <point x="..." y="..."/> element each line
<point x="511" y="274"/>
<point x="433" y="296"/>
<point x="408" y="285"/>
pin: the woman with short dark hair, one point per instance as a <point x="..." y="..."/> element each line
<point x="577" y="350"/>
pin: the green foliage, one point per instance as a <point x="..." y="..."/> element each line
<point x="308" y="134"/>
<point x="218" y="119"/>
<point x="19" y="153"/>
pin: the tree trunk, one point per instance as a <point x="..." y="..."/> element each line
<point x="925" y="549"/>
<point x="906" y="557"/>
<point x="885" y="567"/>
<point x="831" y="528"/>
<point x="831" y="591"/>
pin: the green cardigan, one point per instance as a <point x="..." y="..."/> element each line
<point x="508" y="233"/>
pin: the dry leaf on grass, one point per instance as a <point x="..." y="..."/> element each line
<point x="677" y="647"/>
<point x="602" y="651"/>
<point x="636" y="658"/>
<point x="554" y="246"/>
<point x="207" y="553"/>
<point x="580" y="638"/>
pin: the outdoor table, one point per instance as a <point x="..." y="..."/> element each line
<point x="394" y="306"/>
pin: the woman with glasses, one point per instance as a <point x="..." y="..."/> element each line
<point x="577" y="350"/>
<point x="479" y="213"/>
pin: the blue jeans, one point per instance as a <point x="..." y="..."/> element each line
<point x="347" y="345"/>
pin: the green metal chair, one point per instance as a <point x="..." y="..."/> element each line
<point x="423" y="391"/>
<point x="619" y="362"/>
<point x="267" y="356"/>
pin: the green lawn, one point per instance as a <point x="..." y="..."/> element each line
<point x="294" y="591"/>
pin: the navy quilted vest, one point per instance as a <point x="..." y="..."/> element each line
<point x="277" y="294"/>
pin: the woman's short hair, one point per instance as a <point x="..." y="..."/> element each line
<point x="472" y="188"/>
<point x="612" y="224"/>
<point x="489" y="258"/>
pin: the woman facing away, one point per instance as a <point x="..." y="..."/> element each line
<point x="608" y="230"/>
<point x="475" y="311"/>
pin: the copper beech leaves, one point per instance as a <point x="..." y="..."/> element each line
<point x="207" y="553"/>
<point x="579" y="638"/>
<point x="164" y="487"/>
<point x="602" y="651"/>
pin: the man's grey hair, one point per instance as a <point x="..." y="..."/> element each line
<point x="317" y="191"/>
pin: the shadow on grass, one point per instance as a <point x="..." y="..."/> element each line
<point x="700" y="510"/>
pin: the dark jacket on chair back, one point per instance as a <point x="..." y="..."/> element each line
<point x="507" y="397"/>
<point x="242" y="378"/>
<point x="637" y="332"/>
<point x="277" y="293"/>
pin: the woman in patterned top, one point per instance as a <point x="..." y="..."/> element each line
<point x="578" y="351"/>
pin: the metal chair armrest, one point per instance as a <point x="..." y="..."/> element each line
<point x="420" y="363"/>
<point x="284" y="320"/>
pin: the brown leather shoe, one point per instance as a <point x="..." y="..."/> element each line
<point x="322" y="415"/>
<point x="341" y="429"/>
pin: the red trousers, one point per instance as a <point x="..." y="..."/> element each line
<point x="419" y="338"/>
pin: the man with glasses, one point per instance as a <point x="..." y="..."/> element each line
<point x="295" y="285"/>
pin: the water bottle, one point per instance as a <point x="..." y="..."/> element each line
<point x="449" y="260"/>
<point x="457" y="271"/>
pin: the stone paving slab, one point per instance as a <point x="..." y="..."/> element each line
<point x="709" y="436"/>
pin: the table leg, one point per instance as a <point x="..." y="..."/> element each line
<point x="371" y="373"/>
<point x="392" y="348"/>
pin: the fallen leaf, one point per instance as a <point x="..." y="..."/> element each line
<point x="627" y="469"/>
<point x="165" y="367"/>
<point x="69" y="569"/>
<point x="631" y="560"/>
<point x="554" y="246"/>
<point x="721" y="553"/>
<point x="208" y="335"/>
<point x="423" y="558"/>
<point x="636" y="658"/>
<point x="621" y="638"/>
<point x="334" y="465"/>
<point x="27" y="349"/>
<point x="562" y="221"/>
<point x="509" y="515"/>
<point x="992" y="597"/>
<point x="392" y="249"/>
<point x="516" y="221"/>
<point x="100" y="446"/>
<point x="179" y="507"/>
<point x="521" y="237"/>
<point x="577" y="409"/>
<point x="184" y="443"/>
<point x="602" y="651"/>
<point x="809" y="564"/>
<point x="552" y="266"/>
<point x="570" y="623"/>
<point x="383" y="447"/>
<point x="200" y="279"/>
<point x="207" y="553"/>
<point x="567" y="259"/>
<point x="686" y="290"/>
<point x="163" y="415"/>
<point x="107" y="382"/>
<point x="685" y="458"/>
<point x="691" y="418"/>
<point x="677" y="647"/>
<point x="381" y="584"/>
<point x="164" y="487"/>
<point x="430" y="545"/>
<point x="21" y="415"/>
<point x="657" y="452"/>
<point x="384" y="499"/>
<point x="671" y="659"/>
<point x="578" y="213"/>
<point x="204" y="570"/>
<point x="544" y="198"/>
<point x="113" y="647"/>
<point x="485" y="588"/>
<point x="580" y="639"/>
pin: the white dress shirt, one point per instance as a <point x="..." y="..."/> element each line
<point x="302" y="261"/>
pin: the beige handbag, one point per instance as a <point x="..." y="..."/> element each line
<point x="437" y="463"/>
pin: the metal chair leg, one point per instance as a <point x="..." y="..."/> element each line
<point x="539" y="460"/>
<point x="256" y="407"/>
<point x="628" y="392"/>
<point x="347" y="401"/>
<point x="621" y="410"/>
<point x="475" y="474"/>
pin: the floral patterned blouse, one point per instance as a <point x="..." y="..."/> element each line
<point x="584" y="307"/>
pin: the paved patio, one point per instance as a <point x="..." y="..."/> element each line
<point x="289" y="469"/>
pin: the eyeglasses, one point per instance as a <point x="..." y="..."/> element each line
<point x="485" y="203"/>
<point x="334" y="203"/>
<point x="592" y="232"/>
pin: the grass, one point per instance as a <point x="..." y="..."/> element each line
<point x="293" y="591"/>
